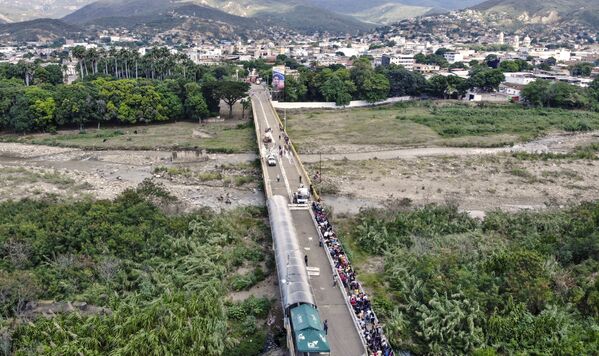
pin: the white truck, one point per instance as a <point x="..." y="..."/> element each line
<point x="271" y="159"/>
<point x="302" y="196"/>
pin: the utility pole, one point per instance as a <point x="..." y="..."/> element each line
<point x="320" y="171"/>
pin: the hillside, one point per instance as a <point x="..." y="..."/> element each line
<point x="186" y="19"/>
<point x="390" y="13"/>
<point x="517" y="13"/>
<point x="40" y="29"/>
<point x="24" y="10"/>
<point x="290" y="14"/>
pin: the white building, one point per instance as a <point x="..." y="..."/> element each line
<point x="519" y="78"/>
<point x="405" y="60"/>
<point x="453" y="57"/>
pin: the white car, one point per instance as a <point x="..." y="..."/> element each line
<point x="271" y="160"/>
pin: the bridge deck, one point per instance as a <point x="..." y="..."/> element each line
<point x="342" y="335"/>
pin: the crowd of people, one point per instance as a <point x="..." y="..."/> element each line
<point x="358" y="299"/>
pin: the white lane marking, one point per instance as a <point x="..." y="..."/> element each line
<point x="281" y="166"/>
<point x="264" y="112"/>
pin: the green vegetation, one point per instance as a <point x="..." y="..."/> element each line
<point x="338" y="84"/>
<point x="430" y="123"/>
<point x="118" y="88"/>
<point x="153" y="282"/>
<point x="485" y="120"/>
<point x="237" y="175"/>
<point x="582" y="152"/>
<point x="227" y="137"/>
<point x="522" y="283"/>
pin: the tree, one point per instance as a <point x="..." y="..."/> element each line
<point x="362" y="69"/>
<point x="509" y="66"/>
<point x="246" y="105"/>
<point x="581" y="69"/>
<point x="76" y="105"/>
<point x="594" y="89"/>
<point x="376" y="87"/>
<point x="211" y="95"/>
<point x="294" y="89"/>
<point x="441" y="51"/>
<point x="486" y="80"/>
<point x="555" y="94"/>
<point x="551" y="61"/>
<point x="79" y="54"/>
<point x="437" y="86"/>
<point x="195" y="105"/>
<point x="231" y="92"/>
<point x="403" y="82"/>
<point x="536" y="93"/>
<point x="492" y="60"/>
<point x="337" y="90"/>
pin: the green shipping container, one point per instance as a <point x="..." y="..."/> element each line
<point x="307" y="329"/>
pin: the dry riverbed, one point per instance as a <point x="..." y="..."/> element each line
<point x="198" y="180"/>
<point x="478" y="180"/>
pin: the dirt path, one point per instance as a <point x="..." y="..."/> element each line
<point x="555" y="143"/>
<point x="477" y="179"/>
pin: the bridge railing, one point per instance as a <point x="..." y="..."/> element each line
<point x="296" y="155"/>
<point x="350" y="309"/>
<point x="261" y="153"/>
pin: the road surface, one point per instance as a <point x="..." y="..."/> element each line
<point x="343" y="337"/>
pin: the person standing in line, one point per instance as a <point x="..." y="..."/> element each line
<point x="326" y="327"/>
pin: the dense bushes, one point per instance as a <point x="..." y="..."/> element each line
<point x="515" y="283"/>
<point x="153" y="272"/>
<point x="462" y="120"/>
<point x="125" y="101"/>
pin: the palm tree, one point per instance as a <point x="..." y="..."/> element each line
<point x="245" y="105"/>
<point x="92" y="56"/>
<point x="115" y="67"/>
<point x="79" y="53"/>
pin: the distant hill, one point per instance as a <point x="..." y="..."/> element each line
<point x="25" y="10"/>
<point x="40" y="29"/>
<point x="285" y="14"/>
<point x="389" y="11"/>
<point x="186" y="18"/>
<point x="514" y="13"/>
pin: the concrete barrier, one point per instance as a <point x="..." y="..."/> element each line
<point x="339" y="284"/>
<point x="262" y="154"/>
<point x="331" y="105"/>
<point x="297" y="157"/>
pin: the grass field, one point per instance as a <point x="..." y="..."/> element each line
<point x="446" y="124"/>
<point x="226" y="137"/>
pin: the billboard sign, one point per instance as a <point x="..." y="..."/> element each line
<point x="278" y="78"/>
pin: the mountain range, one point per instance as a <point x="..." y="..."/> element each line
<point x="372" y="11"/>
<point x="226" y="18"/>
<point x="514" y="14"/>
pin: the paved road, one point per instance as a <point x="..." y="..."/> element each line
<point x="343" y="336"/>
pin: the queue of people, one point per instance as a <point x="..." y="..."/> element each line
<point x="358" y="299"/>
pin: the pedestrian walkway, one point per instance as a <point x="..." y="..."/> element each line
<point x="284" y="179"/>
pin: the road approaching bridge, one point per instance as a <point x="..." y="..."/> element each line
<point x="284" y="179"/>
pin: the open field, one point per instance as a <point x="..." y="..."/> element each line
<point x="427" y="124"/>
<point x="227" y="137"/>
<point x="475" y="183"/>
